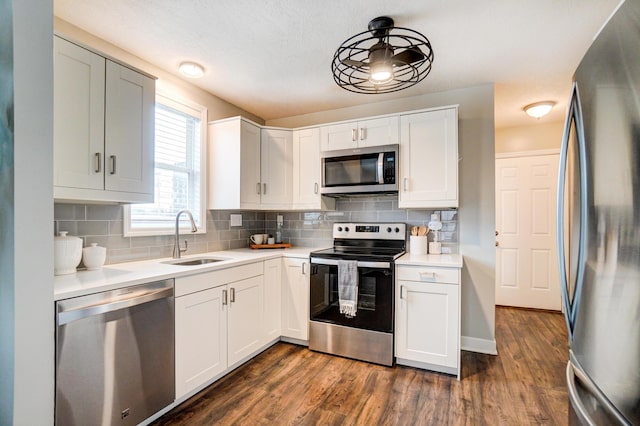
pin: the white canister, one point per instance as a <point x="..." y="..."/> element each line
<point x="418" y="244"/>
<point x="94" y="256"/>
<point x="67" y="253"/>
<point x="435" y="247"/>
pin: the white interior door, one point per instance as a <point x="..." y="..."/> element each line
<point x="526" y="258"/>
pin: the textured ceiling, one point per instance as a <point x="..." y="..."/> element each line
<point x="273" y="58"/>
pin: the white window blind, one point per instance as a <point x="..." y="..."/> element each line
<point x="179" y="171"/>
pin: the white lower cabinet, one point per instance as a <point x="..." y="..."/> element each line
<point x="219" y="322"/>
<point x="201" y="338"/>
<point x="295" y="299"/>
<point x="272" y="299"/>
<point x="245" y="318"/>
<point x="428" y="318"/>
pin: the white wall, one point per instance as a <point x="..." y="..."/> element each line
<point x="476" y="215"/>
<point x="537" y="136"/>
<point x="27" y="337"/>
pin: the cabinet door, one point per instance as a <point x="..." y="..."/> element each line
<point x="339" y="136"/>
<point x="250" y="184"/>
<point x="246" y="318"/>
<point x="272" y="299"/>
<point x="276" y="168"/>
<point x="306" y="168"/>
<point x="429" y="159"/>
<point x="295" y="299"/>
<point x="378" y="131"/>
<point x="427" y="323"/>
<point x="78" y="137"/>
<point x="201" y="338"/>
<point x="129" y="130"/>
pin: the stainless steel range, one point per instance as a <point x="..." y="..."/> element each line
<point x="352" y="285"/>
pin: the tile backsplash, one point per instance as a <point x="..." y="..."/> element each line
<point x="103" y="224"/>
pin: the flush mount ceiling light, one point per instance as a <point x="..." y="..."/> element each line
<point x="383" y="59"/>
<point x="539" y="109"/>
<point x="191" y="70"/>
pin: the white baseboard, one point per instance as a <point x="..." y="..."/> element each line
<point x="482" y="346"/>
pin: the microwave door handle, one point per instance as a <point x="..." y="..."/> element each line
<point x="381" y="168"/>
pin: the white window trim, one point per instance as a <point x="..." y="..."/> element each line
<point x="185" y="228"/>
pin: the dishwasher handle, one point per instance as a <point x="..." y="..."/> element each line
<point x="81" y="312"/>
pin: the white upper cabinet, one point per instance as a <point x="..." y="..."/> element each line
<point x="234" y="165"/>
<point x="129" y="130"/>
<point x="103" y="128"/>
<point x="307" y="172"/>
<point x="249" y="167"/>
<point x="359" y="134"/>
<point x="79" y="117"/>
<point x="276" y="170"/>
<point x="429" y="159"/>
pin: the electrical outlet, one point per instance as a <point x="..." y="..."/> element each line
<point x="235" y="220"/>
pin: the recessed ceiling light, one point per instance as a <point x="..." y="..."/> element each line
<point x="191" y="70"/>
<point x="539" y="109"/>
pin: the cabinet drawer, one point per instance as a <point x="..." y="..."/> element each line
<point x="193" y="283"/>
<point x="429" y="274"/>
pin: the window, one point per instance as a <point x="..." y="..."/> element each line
<point x="180" y="172"/>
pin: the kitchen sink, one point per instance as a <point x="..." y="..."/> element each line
<point x="193" y="262"/>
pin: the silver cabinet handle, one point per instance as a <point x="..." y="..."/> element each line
<point x="258" y="188"/>
<point x="112" y="159"/>
<point x="402" y="292"/>
<point x="264" y="190"/>
<point x="405" y="184"/>
<point x="362" y="134"/>
<point x="427" y="276"/>
<point x="233" y="295"/>
<point x="224" y="297"/>
<point x="315" y="188"/>
<point x="353" y="135"/>
<point x="98" y="157"/>
<point x="303" y="268"/>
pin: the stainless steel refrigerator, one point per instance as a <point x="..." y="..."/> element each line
<point x="599" y="226"/>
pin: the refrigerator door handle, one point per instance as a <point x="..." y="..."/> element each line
<point x="579" y="408"/>
<point x="574" y="116"/>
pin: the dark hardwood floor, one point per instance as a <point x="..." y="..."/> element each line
<point x="288" y="384"/>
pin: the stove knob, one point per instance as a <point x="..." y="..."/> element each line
<point x="346" y="229"/>
<point x="389" y="229"/>
<point x="339" y="228"/>
<point x="397" y="229"/>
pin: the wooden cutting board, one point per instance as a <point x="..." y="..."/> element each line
<point x="270" y="246"/>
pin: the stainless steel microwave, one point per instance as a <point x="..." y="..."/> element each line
<point x="360" y="170"/>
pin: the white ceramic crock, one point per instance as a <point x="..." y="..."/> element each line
<point x="94" y="256"/>
<point x="67" y="253"/>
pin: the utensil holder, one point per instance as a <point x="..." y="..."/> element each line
<point x="418" y="244"/>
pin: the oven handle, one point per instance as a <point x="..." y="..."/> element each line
<point x="334" y="262"/>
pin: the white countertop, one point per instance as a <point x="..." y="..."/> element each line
<point x="442" y="260"/>
<point x="120" y="275"/>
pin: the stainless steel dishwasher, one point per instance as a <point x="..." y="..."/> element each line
<point x="115" y="355"/>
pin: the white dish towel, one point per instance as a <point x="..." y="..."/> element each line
<point x="348" y="287"/>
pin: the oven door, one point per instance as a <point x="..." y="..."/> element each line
<point x="375" y="295"/>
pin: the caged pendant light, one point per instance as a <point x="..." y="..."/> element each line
<point x="383" y="59"/>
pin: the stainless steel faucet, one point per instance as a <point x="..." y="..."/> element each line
<point x="176" y="246"/>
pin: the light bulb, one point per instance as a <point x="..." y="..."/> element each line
<point x="381" y="73"/>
